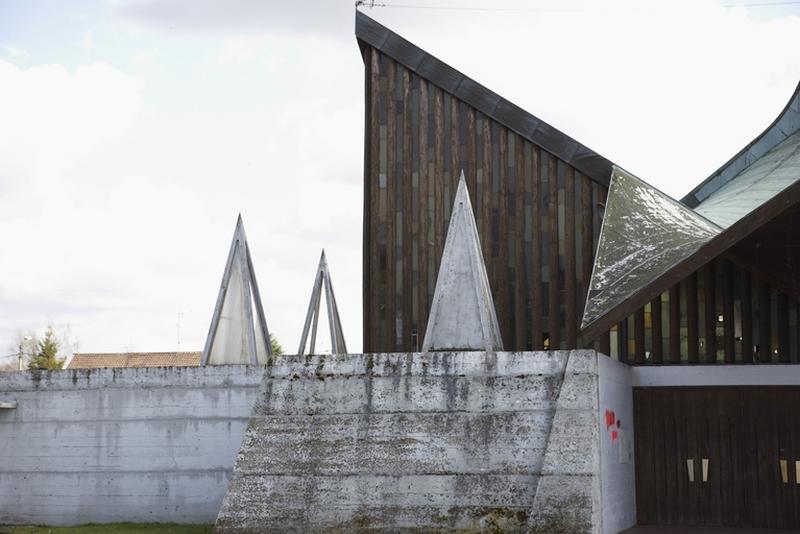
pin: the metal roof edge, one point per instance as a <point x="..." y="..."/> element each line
<point x="786" y="123"/>
<point x="715" y="247"/>
<point x="486" y="101"/>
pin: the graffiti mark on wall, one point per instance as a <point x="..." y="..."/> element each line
<point x="613" y="425"/>
<point x="616" y="434"/>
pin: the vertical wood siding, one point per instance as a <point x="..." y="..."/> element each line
<point x="539" y="221"/>
<point x="721" y="313"/>
<point x="538" y="217"/>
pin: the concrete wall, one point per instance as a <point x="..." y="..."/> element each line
<point x="615" y="418"/>
<point x="468" y="440"/>
<point x="568" y="498"/>
<point x="440" y="441"/>
<point x="109" y="445"/>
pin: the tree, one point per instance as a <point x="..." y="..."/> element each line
<point x="47" y="354"/>
<point x="277" y="349"/>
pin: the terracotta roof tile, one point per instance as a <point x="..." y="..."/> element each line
<point x="95" y="360"/>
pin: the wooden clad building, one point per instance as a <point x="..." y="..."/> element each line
<point x="538" y="197"/>
<point x="708" y="280"/>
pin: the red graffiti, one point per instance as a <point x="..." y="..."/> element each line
<point x="610" y="418"/>
<point x="613" y="425"/>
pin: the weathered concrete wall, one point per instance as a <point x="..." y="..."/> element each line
<point x="421" y="441"/>
<point x="618" y="487"/>
<point x="568" y="498"/>
<point x="109" y="445"/>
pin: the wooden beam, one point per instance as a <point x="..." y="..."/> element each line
<point x="553" y="300"/>
<point x="761" y="274"/>
<point x="570" y="315"/>
<point x="710" y="298"/>
<point x="728" y="294"/>
<point x="783" y="328"/>
<point x="657" y="353"/>
<point x="691" y="317"/>
<point x="764" y="329"/>
<point x="747" y="318"/>
<point x="638" y="336"/>
<point x="675" y="324"/>
<point x="536" y="251"/>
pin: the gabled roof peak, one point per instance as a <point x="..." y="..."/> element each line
<point x="532" y="128"/>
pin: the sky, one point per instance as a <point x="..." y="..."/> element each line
<point x="133" y="132"/>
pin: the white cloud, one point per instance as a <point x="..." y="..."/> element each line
<point x="236" y="50"/>
<point x="87" y="43"/>
<point x="145" y="58"/>
<point x="51" y="117"/>
<point x="15" y="52"/>
<point x="51" y="227"/>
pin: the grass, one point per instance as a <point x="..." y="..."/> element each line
<point x="113" y="528"/>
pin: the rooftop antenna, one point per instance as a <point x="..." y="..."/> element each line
<point x="323" y="278"/>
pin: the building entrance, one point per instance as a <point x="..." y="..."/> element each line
<point x="718" y="457"/>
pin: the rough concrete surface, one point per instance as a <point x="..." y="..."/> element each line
<point x="462" y="315"/>
<point x="109" y="445"/>
<point x="421" y="442"/>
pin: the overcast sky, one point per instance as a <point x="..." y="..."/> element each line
<point x="132" y="133"/>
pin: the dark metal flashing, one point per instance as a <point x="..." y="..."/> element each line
<point x="715" y="247"/>
<point x="786" y="124"/>
<point x="564" y="147"/>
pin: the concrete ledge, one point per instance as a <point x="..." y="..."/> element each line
<point x="142" y="377"/>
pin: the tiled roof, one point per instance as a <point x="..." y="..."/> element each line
<point x="95" y="360"/>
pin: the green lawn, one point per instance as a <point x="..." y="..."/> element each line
<point x="113" y="528"/>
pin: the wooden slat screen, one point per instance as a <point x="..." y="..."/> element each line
<point x="737" y="324"/>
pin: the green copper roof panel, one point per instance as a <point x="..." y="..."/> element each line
<point x="763" y="179"/>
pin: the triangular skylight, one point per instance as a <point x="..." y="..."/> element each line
<point x="233" y="336"/>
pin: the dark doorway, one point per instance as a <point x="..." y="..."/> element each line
<point x="718" y="457"/>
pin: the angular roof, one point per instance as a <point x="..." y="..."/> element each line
<point x="751" y="189"/>
<point x="644" y="234"/>
<point x="417" y="60"/>
<point x="787" y="123"/>
<point x="766" y="177"/>
<point x="100" y="360"/>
